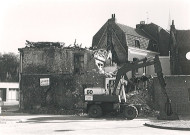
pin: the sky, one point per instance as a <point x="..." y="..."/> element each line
<point x="67" y="20"/>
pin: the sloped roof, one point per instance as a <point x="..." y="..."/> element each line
<point x="131" y="31"/>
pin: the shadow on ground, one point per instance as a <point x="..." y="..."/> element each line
<point x="72" y="118"/>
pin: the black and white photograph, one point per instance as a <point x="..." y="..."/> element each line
<point x="94" y="67"/>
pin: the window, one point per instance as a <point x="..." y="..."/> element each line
<point x="137" y="43"/>
<point x="189" y="93"/>
<point x="78" y="63"/>
<point x="14" y="94"/>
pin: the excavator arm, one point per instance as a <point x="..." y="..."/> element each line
<point x="167" y="114"/>
<point x="132" y="66"/>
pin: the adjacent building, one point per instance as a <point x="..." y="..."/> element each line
<point x="9" y="93"/>
<point x="129" y="44"/>
<point x="180" y="47"/>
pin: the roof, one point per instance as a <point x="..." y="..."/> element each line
<point x="183" y="37"/>
<point x="131" y="31"/>
<point x="157" y="35"/>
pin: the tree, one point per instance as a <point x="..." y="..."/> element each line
<point x="9" y="67"/>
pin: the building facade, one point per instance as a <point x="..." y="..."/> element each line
<point x="53" y="75"/>
<point x="9" y="93"/>
<point x="180" y="47"/>
<point x="129" y="44"/>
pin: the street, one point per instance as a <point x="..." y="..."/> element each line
<point x="76" y="125"/>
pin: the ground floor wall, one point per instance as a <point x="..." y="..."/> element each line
<point x="178" y="89"/>
<point x="60" y="90"/>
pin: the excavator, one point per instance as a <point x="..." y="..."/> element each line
<point x="112" y="98"/>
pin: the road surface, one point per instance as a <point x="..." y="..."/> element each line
<point x="78" y="125"/>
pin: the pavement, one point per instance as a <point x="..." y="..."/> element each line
<point x="182" y="124"/>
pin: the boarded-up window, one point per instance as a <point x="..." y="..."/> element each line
<point x="78" y="63"/>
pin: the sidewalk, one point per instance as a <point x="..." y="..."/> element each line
<point x="182" y="124"/>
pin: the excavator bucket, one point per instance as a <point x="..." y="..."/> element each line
<point x="167" y="113"/>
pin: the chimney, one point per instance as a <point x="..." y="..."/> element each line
<point x="113" y="17"/>
<point x="172" y="22"/>
<point x="172" y="27"/>
<point x="142" y="23"/>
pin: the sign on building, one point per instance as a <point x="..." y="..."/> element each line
<point x="44" y="81"/>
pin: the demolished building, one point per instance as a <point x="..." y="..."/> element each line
<point x="54" y="75"/>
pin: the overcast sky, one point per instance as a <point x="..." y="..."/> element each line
<point x="67" y="20"/>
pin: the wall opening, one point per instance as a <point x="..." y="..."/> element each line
<point x="78" y="63"/>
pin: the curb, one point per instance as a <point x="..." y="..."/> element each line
<point x="170" y="128"/>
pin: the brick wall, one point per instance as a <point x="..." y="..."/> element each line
<point x="178" y="90"/>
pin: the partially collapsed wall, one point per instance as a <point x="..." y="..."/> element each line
<point x="55" y="76"/>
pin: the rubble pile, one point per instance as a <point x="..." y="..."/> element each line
<point x="143" y="98"/>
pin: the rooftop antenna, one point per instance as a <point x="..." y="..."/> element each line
<point x="147" y="18"/>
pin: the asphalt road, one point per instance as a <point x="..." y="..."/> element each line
<point x="78" y="125"/>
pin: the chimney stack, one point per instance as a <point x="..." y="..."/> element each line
<point x="113" y="17"/>
<point x="172" y="27"/>
<point x="172" y="22"/>
<point x="139" y="26"/>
